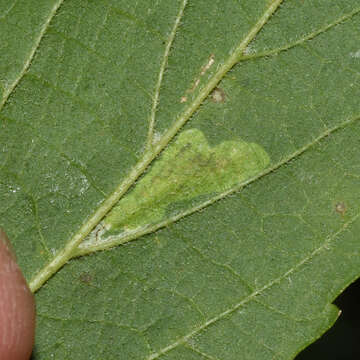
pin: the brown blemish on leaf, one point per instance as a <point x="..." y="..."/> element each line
<point x="218" y="95"/>
<point x="340" y="208"/>
<point x="85" y="277"/>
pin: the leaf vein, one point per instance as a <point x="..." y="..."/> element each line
<point x="163" y="65"/>
<point x="9" y="90"/>
<point x="304" y="39"/>
<point x="253" y="295"/>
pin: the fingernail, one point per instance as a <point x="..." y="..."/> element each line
<point x="17" y="307"/>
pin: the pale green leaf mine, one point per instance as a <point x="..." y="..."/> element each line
<point x="188" y="168"/>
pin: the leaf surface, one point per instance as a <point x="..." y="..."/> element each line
<point x="92" y="94"/>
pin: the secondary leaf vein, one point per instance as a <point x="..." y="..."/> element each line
<point x="164" y="62"/>
<point x="8" y="91"/>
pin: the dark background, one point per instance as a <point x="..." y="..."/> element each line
<point x="342" y="341"/>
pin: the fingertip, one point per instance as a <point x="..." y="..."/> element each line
<point x="17" y="307"/>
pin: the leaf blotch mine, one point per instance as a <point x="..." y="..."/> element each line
<point x="189" y="167"/>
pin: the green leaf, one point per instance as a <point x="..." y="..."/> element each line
<point x="93" y="92"/>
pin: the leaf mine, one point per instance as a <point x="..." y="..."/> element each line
<point x="188" y="168"/>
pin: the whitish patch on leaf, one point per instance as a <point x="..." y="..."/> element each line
<point x="204" y="69"/>
<point x="355" y="54"/>
<point x="188" y="168"/>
